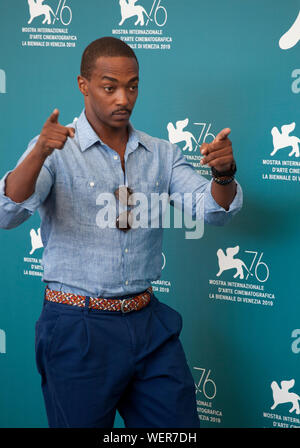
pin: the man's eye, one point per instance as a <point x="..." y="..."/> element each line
<point x="133" y="88"/>
<point x="108" y="89"/>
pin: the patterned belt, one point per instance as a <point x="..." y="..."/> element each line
<point x="98" y="303"/>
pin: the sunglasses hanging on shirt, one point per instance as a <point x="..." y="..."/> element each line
<point x="125" y="219"/>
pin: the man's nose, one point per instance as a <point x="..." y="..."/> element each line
<point x="122" y="98"/>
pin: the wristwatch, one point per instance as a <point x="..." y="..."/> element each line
<point x="217" y="175"/>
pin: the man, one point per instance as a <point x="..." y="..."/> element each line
<point x="103" y="340"/>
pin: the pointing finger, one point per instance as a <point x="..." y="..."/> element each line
<point x="54" y="116"/>
<point x="223" y="134"/>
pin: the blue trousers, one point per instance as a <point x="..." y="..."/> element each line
<point x="94" y="362"/>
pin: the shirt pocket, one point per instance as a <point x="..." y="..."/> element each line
<point x="90" y="195"/>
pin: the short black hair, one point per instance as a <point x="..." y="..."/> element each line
<point x="105" y="46"/>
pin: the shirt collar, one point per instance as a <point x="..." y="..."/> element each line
<point x="88" y="137"/>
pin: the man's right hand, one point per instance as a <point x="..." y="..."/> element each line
<point x="20" y="183"/>
<point x="53" y="135"/>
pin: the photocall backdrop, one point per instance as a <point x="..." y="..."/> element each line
<point x="204" y="65"/>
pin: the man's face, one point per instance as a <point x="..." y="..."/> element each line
<point x="111" y="93"/>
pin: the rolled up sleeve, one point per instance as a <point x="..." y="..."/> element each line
<point x="217" y="215"/>
<point x="12" y="214"/>
<point x="185" y="179"/>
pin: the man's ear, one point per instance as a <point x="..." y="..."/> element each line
<point x="83" y="85"/>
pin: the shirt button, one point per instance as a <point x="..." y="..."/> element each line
<point x="92" y="184"/>
<point x="126" y="250"/>
<point x="126" y="283"/>
<point x="156" y="183"/>
<point x="116" y="157"/>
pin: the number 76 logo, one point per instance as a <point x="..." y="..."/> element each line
<point x="62" y="14"/>
<point x="158" y="13"/>
<point x="258" y="268"/>
<point x="206" y="384"/>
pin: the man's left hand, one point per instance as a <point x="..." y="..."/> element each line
<point x="218" y="153"/>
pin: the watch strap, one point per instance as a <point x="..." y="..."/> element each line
<point x="229" y="173"/>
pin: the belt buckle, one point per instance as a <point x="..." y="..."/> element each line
<point x="122" y="307"/>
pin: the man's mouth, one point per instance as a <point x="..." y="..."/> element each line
<point x="122" y="113"/>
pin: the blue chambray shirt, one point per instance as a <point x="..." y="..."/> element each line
<point x="79" y="256"/>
